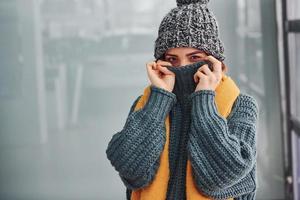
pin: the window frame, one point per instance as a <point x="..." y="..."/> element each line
<point x="291" y="123"/>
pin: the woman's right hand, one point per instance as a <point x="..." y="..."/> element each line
<point x="160" y="76"/>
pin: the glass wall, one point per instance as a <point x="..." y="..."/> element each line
<point x="70" y="70"/>
<point x="293" y="36"/>
<point x="294" y="52"/>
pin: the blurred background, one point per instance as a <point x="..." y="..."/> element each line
<point x="70" y="70"/>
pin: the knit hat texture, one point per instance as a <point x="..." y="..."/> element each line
<point x="190" y="24"/>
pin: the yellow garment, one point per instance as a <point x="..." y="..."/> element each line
<point x="226" y="93"/>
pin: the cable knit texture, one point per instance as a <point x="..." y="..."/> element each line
<point x="222" y="150"/>
<point x="134" y="151"/>
<point x="190" y="24"/>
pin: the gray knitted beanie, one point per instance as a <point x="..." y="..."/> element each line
<point x="190" y="24"/>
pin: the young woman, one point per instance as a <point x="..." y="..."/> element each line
<point x="192" y="133"/>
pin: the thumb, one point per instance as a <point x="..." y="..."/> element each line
<point x="165" y="70"/>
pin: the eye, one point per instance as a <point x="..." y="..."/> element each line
<point x="170" y="59"/>
<point x="194" y="57"/>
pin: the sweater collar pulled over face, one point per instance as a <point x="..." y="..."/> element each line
<point x="184" y="81"/>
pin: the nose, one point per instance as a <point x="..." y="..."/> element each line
<point x="185" y="61"/>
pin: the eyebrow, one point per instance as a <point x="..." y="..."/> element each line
<point x="198" y="51"/>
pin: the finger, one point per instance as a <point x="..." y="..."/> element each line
<point x="212" y="59"/>
<point x="206" y="70"/>
<point x="161" y="62"/>
<point x="223" y="66"/>
<point x="152" y="74"/>
<point x="201" y="74"/>
<point x="217" y="65"/>
<point x="151" y="65"/>
<point x="164" y="70"/>
<point x="198" y="75"/>
<point x="196" y="78"/>
<point x="217" y="68"/>
<point x="151" y="68"/>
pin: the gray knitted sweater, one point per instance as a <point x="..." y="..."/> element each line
<point x="222" y="150"/>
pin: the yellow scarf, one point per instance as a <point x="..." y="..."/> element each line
<point x="226" y="93"/>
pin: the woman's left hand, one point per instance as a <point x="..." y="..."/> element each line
<point x="207" y="79"/>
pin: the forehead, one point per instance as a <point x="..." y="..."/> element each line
<point x="183" y="50"/>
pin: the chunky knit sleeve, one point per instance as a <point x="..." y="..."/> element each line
<point x="135" y="150"/>
<point x="222" y="150"/>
